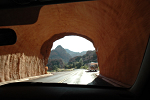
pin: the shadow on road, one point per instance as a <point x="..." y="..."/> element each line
<point x="90" y="71"/>
<point x="100" y="82"/>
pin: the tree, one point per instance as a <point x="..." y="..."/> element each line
<point x="82" y="67"/>
<point x="55" y="67"/>
<point x="79" y="64"/>
<point x="71" y="66"/>
<point x="81" y="61"/>
<point x="85" y="66"/>
<point x="67" y="66"/>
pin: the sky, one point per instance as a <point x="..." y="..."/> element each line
<point x="74" y="43"/>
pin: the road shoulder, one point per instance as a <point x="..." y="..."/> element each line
<point x="113" y="82"/>
<point x="25" y="79"/>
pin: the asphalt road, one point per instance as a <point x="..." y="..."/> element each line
<point x="77" y="76"/>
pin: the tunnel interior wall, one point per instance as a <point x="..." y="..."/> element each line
<point x="118" y="29"/>
<point x="18" y="66"/>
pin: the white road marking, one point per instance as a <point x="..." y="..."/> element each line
<point x="67" y="78"/>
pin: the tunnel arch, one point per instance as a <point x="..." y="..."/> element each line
<point x="120" y="38"/>
<point x="47" y="45"/>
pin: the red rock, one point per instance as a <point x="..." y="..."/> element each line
<point x="46" y="68"/>
<point x="118" y="29"/>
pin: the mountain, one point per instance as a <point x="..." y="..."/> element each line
<point x="90" y="56"/>
<point x="55" y="62"/>
<point x="61" y="58"/>
<point x="73" y="54"/>
<point x="60" y="53"/>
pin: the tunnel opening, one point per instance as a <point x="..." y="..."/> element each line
<point x="120" y="57"/>
<point x="72" y="52"/>
<point x="73" y="57"/>
<point x="98" y="80"/>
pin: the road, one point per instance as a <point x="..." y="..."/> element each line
<point x="77" y="76"/>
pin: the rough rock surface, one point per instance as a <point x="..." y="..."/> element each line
<point x="18" y="66"/>
<point x="60" y="53"/>
<point x="118" y="29"/>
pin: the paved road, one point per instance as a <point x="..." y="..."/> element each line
<point x="77" y="76"/>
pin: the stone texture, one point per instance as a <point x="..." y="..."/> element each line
<point x="18" y="66"/>
<point x="118" y="29"/>
<point x="46" y="68"/>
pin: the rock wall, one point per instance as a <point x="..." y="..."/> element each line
<point x="118" y="29"/>
<point x="18" y="66"/>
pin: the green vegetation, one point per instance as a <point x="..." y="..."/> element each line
<point x="56" y="65"/>
<point x="60" y="60"/>
<point x="61" y="70"/>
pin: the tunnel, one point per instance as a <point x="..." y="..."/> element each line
<point x="47" y="45"/>
<point x="118" y="29"/>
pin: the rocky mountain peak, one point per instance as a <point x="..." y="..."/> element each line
<point x="60" y="53"/>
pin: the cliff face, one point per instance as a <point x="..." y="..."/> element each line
<point x="18" y="66"/>
<point x="60" y="53"/>
<point x="118" y="29"/>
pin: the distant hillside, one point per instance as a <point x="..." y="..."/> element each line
<point x="73" y="54"/>
<point x="52" y="63"/>
<point x="60" y="53"/>
<point x="61" y="58"/>
<point x="90" y="56"/>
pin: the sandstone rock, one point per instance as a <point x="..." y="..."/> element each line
<point x="118" y="29"/>
<point x="17" y="66"/>
<point x="46" y="68"/>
